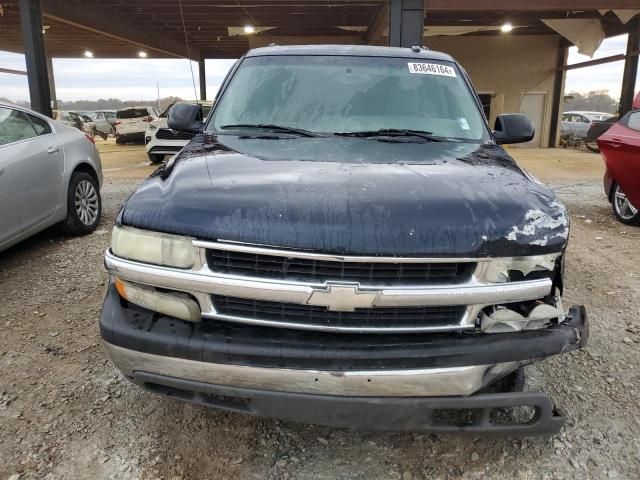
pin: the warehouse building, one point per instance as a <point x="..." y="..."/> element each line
<point x="515" y="51"/>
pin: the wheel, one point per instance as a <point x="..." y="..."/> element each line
<point x="97" y="133"/>
<point x="156" y="158"/>
<point x="622" y="208"/>
<point x="592" y="146"/>
<point x="84" y="205"/>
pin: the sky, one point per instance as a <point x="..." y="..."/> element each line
<point x="135" y="79"/>
<point x="125" y="79"/>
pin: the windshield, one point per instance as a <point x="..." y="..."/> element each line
<point x="132" y="113"/>
<point x="339" y="94"/>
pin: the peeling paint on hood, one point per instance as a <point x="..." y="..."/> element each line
<point x="540" y="226"/>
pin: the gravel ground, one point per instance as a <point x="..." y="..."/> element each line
<point x="66" y="413"/>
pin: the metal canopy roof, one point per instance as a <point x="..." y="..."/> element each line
<point x="120" y="28"/>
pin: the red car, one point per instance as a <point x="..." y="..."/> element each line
<point x="620" y="148"/>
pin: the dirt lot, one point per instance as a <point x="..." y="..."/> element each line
<point x="66" y="413"/>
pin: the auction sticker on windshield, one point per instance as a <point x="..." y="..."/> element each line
<point x="431" y="69"/>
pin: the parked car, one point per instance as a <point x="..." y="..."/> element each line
<point x="71" y="119"/>
<point x="356" y="249"/>
<point x="597" y="129"/>
<point x="104" y="121"/>
<point x="108" y="115"/>
<point x="577" y="124"/>
<point x="49" y="173"/>
<point x="620" y="149"/>
<point x="88" y="126"/>
<point x="161" y="141"/>
<point x="131" y="123"/>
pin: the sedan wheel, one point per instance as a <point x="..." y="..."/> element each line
<point x="86" y="202"/>
<point x="622" y="208"/>
<point x="84" y="205"/>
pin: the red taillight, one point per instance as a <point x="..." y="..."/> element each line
<point x="89" y="138"/>
<point x="147" y="119"/>
<point x="116" y="123"/>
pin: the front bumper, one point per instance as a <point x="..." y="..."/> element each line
<point x="368" y="381"/>
<point x="163" y="146"/>
<point x="475" y="414"/>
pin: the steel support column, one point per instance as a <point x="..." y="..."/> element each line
<point x="203" y="79"/>
<point x="36" y="59"/>
<point x="406" y="22"/>
<point x="630" y="66"/>
<point x="52" y="84"/>
<point x="558" y="90"/>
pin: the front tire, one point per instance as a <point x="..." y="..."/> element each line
<point x="592" y="146"/>
<point x="624" y="211"/>
<point x="84" y="205"/>
<point x="100" y="134"/>
<point x="156" y="158"/>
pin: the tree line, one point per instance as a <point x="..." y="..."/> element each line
<point x="103" y="104"/>
<point x="595" y="101"/>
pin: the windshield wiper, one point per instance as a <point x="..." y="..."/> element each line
<point x="392" y="132"/>
<point x="273" y="128"/>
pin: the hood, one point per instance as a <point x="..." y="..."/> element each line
<point x="159" y="122"/>
<point x="352" y="196"/>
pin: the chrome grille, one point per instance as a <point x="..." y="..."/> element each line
<point x="168" y="134"/>
<point x="320" y="271"/>
<point x="298" y="289"/>
<point x="312" y="317"/>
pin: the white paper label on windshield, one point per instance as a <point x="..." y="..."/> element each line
<point x="431" y="69"/>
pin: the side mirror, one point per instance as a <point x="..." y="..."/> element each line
<point x="513" y="128"/>
<point x="185" y="117"/>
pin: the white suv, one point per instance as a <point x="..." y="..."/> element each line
<point x="132" y="122"/>
<point x="161" y="141"/>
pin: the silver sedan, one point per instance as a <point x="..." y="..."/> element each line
<point x="49" y="173"/>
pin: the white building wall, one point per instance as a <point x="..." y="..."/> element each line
<point x="508" y="67"/>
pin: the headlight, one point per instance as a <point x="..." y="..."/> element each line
<point x="497" y="271"/>
<point x="153" y="247"/>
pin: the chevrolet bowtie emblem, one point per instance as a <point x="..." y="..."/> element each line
<point x="342" y="298"/>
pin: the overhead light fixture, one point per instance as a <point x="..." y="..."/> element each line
<point x="249" y="29"/>
<point x="142" y="54"/>
<point x="506" y="27"/>
<point x="88" y="53"/>
<point x="45" y="28"/>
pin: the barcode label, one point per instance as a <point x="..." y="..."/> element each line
<point x="431" y="69"/>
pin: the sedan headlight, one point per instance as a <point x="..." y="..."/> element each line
<point x="153" y="247"/>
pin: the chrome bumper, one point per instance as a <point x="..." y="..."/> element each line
<point x="430" y="382"/>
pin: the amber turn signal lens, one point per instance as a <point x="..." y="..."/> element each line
<point x="120" y="288"/>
